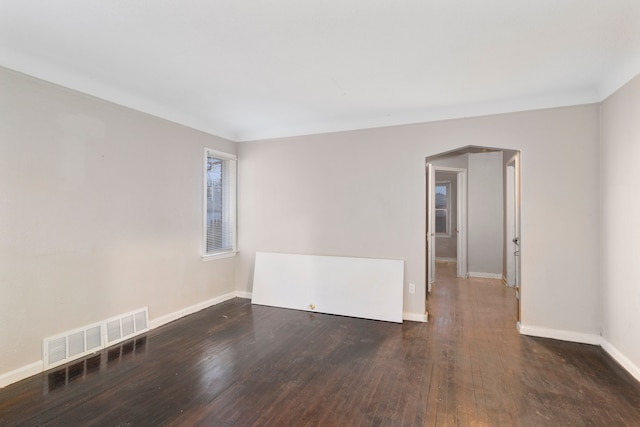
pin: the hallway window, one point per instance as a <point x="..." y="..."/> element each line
<point x="442" y="207"/>
<point x="220" y="204"/>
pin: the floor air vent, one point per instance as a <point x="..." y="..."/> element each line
<point x="71" y="345"/>
<point x="125" y="326"/>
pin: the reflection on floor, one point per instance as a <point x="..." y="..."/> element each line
<point x="62" y="376"/>
<point x="241" y="365"/>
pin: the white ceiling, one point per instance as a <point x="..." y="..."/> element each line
<point x="254" y="69"/>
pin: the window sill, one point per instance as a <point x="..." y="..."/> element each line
<point x="221" y="255"/>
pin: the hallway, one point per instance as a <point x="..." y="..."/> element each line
<point x="485" y="373"/>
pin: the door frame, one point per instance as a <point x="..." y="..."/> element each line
<point x="461" y="219"/>
<point x="514" y="243"/>
<point x="430" y="192"/>
<point x="511" y="226"/>
<point x="472" y="149"/>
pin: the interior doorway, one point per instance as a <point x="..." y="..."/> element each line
<point x="446" y="218"/>
<point x="473" y="198"/>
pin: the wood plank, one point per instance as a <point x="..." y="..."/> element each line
<point x="238" y="364"/>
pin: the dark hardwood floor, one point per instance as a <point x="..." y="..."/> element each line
<point x="240" y="365"/>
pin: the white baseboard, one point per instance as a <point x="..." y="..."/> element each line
<point x="485" y="275"/>
<point x="593" y="339"/>
<point x="415" y="317"/>
<point x="21" y="373"/>
<point x="506" y="283"/>
<point x="621" y="358"/>
<point x="445" y="259"/>
<point x="163" y="320"/>
<point x="38" y="367"/>
<point x="245" y="295"/>
<point x="558" y="334"/>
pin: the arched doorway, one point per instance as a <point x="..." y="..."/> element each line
<point x="479" y="210"/>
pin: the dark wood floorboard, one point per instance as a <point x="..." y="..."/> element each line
<point x="241" y="365"/>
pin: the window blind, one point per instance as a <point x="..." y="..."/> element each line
<point x="220" y="203"/>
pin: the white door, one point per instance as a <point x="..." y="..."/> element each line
<point x="462" y="223"/>
<point x="516" y="225"/>
<point x="431" y="226"/>
<point x="510" y="242"/>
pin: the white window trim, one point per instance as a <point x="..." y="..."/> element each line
<point x="448" y="233"/>
<point x="219" y="255"/>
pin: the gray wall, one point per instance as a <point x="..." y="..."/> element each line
<point x="620" y="235"/>
<point x="100" y="214"/>
<point x="485" y="214"/>
<point x="362" y="193"/>
<point x="485" y="221"/>
<point x="100" y="211"/>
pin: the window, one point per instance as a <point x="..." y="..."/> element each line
<point x="442" y="207"/>
<point x="220" y="203"/>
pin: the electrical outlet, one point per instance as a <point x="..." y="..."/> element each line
<point x="412" y="288"/>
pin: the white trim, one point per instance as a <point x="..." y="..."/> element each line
<point x="245" y="295"/>
<point x="430" y="200"/>
<point x="559" y="334"/>
<point x="21" y="373"/>
<point x="485" y="275"/>
<point x="163" y="320"/>
<point x="461" y="218"/>
<point x="579" y="337"/>
<point x="233" y="204"/>
<point x="447" y="168"/>
<point x="447" y="185"/>
<point x="462" y="225"/>
<point x="445" y="259"/>
<point x="221" y="255"/>
<point x="220" y="154"/>
<point x="510" y="224"/>
<point x="620" y="358"/>
<point x="35" y="368"/>
<point x="415" y="317"/>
